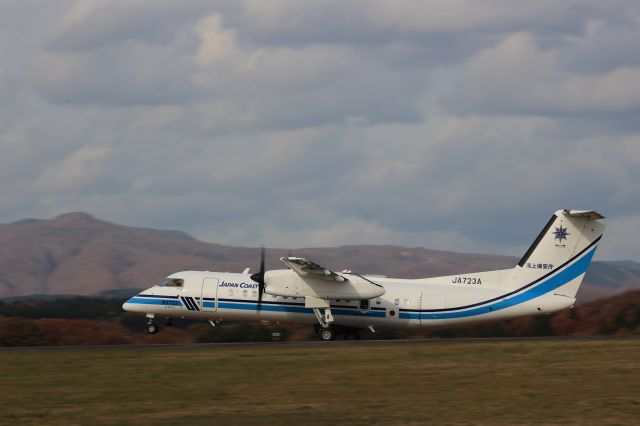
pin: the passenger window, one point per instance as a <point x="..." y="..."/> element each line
<point x="244" y="293"/>
<point x="406" y="302"/>
<point x="396" y="302"/>
<point x="378" y="301"/>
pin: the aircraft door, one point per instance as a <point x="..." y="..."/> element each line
<point x="209" y="295"/>
<point x="429" y="302"/>
<point x="365" y="305"/>
<point x="406" y="306"/>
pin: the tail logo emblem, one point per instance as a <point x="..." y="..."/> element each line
<point x="560" y="233"/>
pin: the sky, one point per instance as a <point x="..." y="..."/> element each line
<point x="456" y="125"/>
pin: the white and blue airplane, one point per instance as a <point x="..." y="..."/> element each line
<point x="545" y="280"/>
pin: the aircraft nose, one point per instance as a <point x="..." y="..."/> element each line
<point x="126" y="306"/>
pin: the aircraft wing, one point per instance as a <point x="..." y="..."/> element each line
<point x="308" y="269"/>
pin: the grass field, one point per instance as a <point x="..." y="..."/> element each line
<point x="532" y="382"/>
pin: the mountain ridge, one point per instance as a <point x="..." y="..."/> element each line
<point x="76" y="253"/>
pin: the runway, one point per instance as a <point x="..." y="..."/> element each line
<point x="310" y="343"/>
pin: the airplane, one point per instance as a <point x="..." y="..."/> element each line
<point x="545" y="280"/>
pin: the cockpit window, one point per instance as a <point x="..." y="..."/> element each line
<point x="171" y="282"/>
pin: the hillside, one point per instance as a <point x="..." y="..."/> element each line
<point x="618" y="315"/>
<point x="75" y="253"/>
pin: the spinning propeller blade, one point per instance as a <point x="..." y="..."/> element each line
<point x="259" y="277"/>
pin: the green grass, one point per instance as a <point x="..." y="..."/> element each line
<point x="531" y="382"/>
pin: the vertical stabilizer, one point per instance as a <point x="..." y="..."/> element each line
<point x="567" y="242"/>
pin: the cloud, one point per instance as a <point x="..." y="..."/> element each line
<point x="84" y="169"/>
<point x="517" y="77"/>
<point x="118" y="76"/>
<point x="405" y="16"/>
<point x="216" y="43"/>
<point x="615" y="243"/>
<point x="90" y="25"/>
<point x="367" y="22"/>
<point x="452" y="125"/>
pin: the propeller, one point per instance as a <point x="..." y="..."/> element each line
<point x="259" y="277"/>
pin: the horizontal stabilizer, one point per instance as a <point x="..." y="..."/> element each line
<point x="591" y="214"/>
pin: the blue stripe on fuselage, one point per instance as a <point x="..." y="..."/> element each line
<point x="560" y="279"/>
<point x="253" y="306"/>
<point x="147" y="301"/>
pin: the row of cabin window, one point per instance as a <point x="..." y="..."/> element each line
<point x="254" y="293"/>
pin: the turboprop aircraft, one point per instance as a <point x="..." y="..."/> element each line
<point x="545" y="280"/>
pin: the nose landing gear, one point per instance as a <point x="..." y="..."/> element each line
<point x="152" y="328"/>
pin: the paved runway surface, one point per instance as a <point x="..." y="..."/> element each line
<point x="308" y="343"/>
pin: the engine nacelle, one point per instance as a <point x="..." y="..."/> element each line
<point x="286" y="282"/>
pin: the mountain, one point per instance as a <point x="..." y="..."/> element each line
<point x="75" y="253"/>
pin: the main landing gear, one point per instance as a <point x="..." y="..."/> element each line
<point x="327" y="333"/>
<point x="326" y="329"/>
<point x="331" y="331"/>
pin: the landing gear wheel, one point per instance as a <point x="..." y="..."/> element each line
<point x="152" y="328"/>
<point x="327" y="333"/>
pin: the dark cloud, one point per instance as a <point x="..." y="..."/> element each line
<point x="93" y="25"/>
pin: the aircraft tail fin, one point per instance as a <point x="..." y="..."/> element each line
<point x="564" y="247"/>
